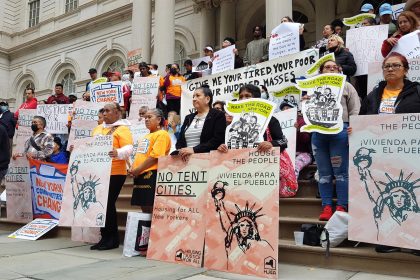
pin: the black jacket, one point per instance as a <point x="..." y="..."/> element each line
<point x="408" y="101"/>
<point x="346" y="60"/>
<point x="4" y="149"/>
<point x="8" y="121"/>
<point x="277" y="137"/>
<point x="212" y="135"/>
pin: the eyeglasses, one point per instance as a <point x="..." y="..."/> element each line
<point x="394" y="66"/>
<point x="332" y="67"/>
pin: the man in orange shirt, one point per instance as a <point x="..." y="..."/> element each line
<point x="122" y="149"/>
<point x="172" y="85"/>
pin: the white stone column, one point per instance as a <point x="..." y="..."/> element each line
<point x="275" y="10"/>
<point x="227" y="20"/>
<point x="164" y="33"/>
<point x="207" y="26"/>
<point x="141" y="27"/>
<point x="324" y="14"/>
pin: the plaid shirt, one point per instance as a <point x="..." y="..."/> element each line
<point x="45" y="141"/>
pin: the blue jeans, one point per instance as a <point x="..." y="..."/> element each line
<point x="331" y="154"/>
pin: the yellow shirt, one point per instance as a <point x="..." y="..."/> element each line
<point x="388" y="101"/>
<point x="155" y="145"/>
<point x="121" y="137"/>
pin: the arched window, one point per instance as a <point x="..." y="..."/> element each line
<point x="180" y="55"/>
<point x="115" y="65"/>
<point x="68" y="83"/>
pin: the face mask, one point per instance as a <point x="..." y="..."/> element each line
<point x="264" y="95"/>
<point x="173" y="71"/>
<point x="126" y="77"/>
<point x="3" y="108"/>
<point x="34" y="128"/>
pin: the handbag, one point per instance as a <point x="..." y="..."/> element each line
<point x="312" y="234"/>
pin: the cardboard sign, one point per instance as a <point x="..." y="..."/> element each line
<point x="87" y="183"/>
<point x="201" y="64"/>
<point x="18" y="191"/>
<point x="47" y="185"/>
<point x="365" y="45"/>
<point x="284" y="40"/>
<point x="24" y="131"/>
<point x="56" y="116"/>
<point x="250" y="121"/>
<point x="178" y="221"/>
<point x="242" y="212"/>
<point x="34" y="229"/>
<point x="138" y="130"/>
<point x="287" y="119"/>
<point x="223" y="60"/>
<point x="273" y="74"/>
<point x="144" y="93"/>
<point x="323" y="111"/>
<point x="134" y="57"/>
<point x="357" y="19"/>
<point x="409" y="45"/>
<point x="107" y="92"/>
<point x="384" y="192"/>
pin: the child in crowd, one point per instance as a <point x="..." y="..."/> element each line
<point x="58" y="155"/>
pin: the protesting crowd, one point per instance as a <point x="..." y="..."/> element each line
<point x="182" y="132"/>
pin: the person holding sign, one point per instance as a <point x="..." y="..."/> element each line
<point x="301" y="29"/>
<point x="154" y="145"/>
<point x="407" y="23"/>
<point x="204" y="130"/>
<point x="40" y="145"/>
<point x="123" y="147"/>
<point x="331" y="151"/>
<point x="342" y="56"/>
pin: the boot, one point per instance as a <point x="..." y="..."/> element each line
<point x="326" y="213"/>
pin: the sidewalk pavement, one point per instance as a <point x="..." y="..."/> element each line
<point x="60" y="258"/>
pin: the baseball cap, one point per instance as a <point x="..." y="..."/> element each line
<point x="366" y="7"/>
<point x="92" y="70"/>
<point x="208" y="48"/>
<point x="385" y="9"/>
<point x="286" y="103"/>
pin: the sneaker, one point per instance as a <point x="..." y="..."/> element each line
<point x="341" y="208"/>
<point x="326" y="213"/>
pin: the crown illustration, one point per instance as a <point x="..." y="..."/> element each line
<point x="89" y="184"/>
<point x="246" y="213"/>
<point x="400" y="183"/>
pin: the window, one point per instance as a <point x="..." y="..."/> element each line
<point x="68" y="83"/>
<point x="116" y="65"/>
<point x="33" y="12"/>
<point x="71" y="5"/>
<point x="180" y="55"/>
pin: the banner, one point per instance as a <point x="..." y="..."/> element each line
<point x="107" y="92"/>
<point x="397" y="10"/>
<point x="47" y="185"/>
<point x="243" y="212"/>
<point x="56" y="116"/>
<point x="273" y="74"/>
<point x="365" y="45"/>
<point x="18" y="191"/>
<point x="376" y="74"/>
<point x="84" y="120"/>
<point x="323" y="111"/>
<point x="287" y="120"/>
<point x="24" y="131"/>
<point x="409" y="45"/>
<point x="223" y="60"/>
<point x="87" y="183"/>
<point x="134" y="57"/>
<point x="284" y="40"/>
<point x="384" y="192"/>
<point x="144" y="93"/>
<point x="34" y="229"/>
<point x="201" y="64"/>
<point x="178" y="221"/>
<point x="357" y="19"/>
<point x="250" y="121"/>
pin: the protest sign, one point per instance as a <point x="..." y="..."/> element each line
<point x="134" y="57"/>
<point x="284" y="40"/>
<point x="87" y="183"/>
<point x="409" y="45"/>
<point x="376" y="75"/>
<point x="179" y="210"/>
<point x="86" y="234"/>
<point x="315" y="68"/>
<point x="24" y="131"/>
<point x="34" y="229"/>
<point x="107" y="92"/>
<point x="144" y="93"/>
<point x="56" y="116"/>
<point x="242" y="212"/>
<point x="250" y="120"/>
<point x="273" y="74"/>
<point x="357" y="19"/>
<point x="289" y="93"/>
<point x="47" y="185"/>
<point x="85" y="119"/>
<point x="287" y="119"/>
<point x="138" y="131"/>
<point x="223" y="60"/>
<point x="18" y="191"/>
<point x="201" y="64"/>
<point x="365" y="45"/>
<point x="397" y="10"/>
<point x="323" y="111"/>
<point x="385" y="185"/>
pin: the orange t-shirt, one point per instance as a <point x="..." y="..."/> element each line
<point x="175" y="85"/>
<point x="121" y="137"/>
<point x="387" y="105"/>
<point x="155" y="145"/>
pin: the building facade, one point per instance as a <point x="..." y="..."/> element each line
<point x="44" y="42"/>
